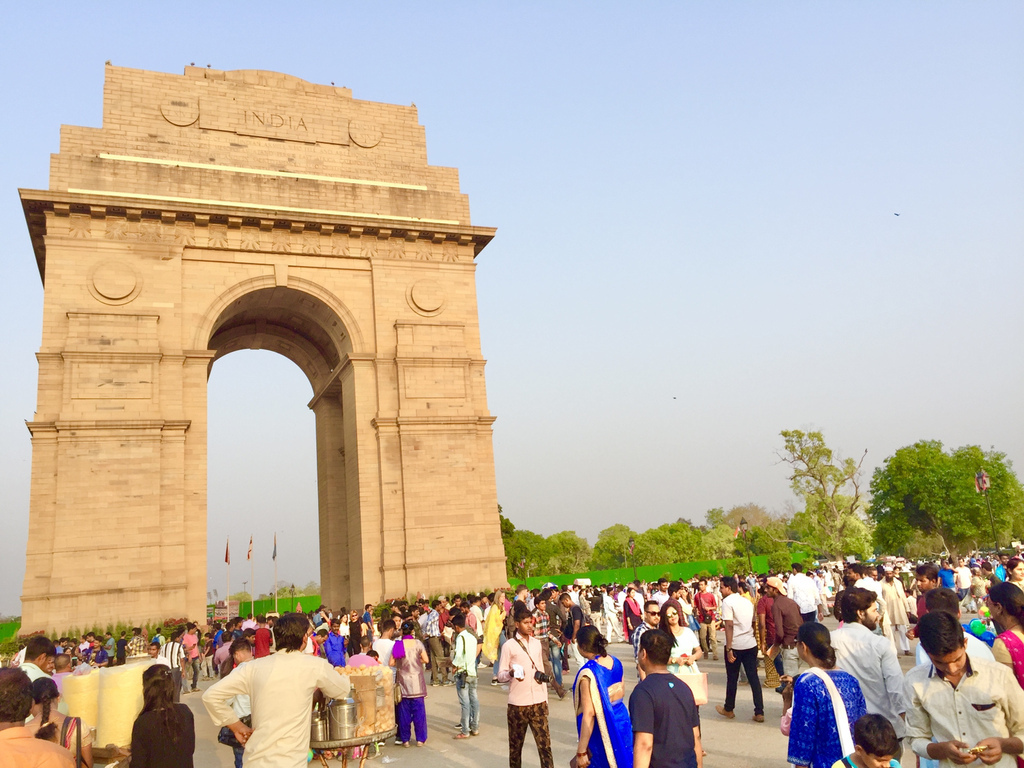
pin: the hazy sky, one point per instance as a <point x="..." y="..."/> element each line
<point x="696" y="247"/>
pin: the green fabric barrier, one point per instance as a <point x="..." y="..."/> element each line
<point x="285" y="604"/>
<point x="9" y="629"/>
<point x="680" y="571"/>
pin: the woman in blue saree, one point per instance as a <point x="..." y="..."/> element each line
<point x="602" y="719"/>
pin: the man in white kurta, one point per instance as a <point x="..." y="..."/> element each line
<point x="281" y="689"/>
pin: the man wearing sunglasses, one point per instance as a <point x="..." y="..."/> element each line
<point x="652" y="617"/>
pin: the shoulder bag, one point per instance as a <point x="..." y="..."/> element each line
<point x="74" y="723"/>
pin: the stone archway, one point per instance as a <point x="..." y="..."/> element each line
<point x="218" y="211"/>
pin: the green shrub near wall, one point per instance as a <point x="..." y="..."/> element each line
<point x="681" y="571"/>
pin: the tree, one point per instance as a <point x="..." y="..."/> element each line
<point x="612" y="547"/>
<point x="832" y="521"/>
<point x="669" y="543"/>
<point x="755" y="515"/>
<point x="921" y="490"/>
<point x="779" y="561"/>
<point x="719" y="542"/>
<point x="526" y="552"/>
<point x="713" y="517"/>
<point x="569" y="553"/>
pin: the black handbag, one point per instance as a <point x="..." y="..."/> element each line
<point x="227" y="736"/>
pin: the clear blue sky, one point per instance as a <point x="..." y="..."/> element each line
<point x="696" y="245"/>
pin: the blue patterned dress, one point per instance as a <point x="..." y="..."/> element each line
<point x="612" y="732"/>
<point x="813" y="734"/>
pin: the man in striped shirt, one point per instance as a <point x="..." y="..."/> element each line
<point x="541" y="625"/>
<point x="651" y="620"/>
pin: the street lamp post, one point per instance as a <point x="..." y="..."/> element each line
<point x="746" y="546"/>
<point x="632" y="544"/>
<point x="981" y="485"/>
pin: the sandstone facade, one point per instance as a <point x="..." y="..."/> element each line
<point x="219" y="211"/>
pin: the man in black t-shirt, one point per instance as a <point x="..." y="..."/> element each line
<point x="666" y="725"/>
<point x="572" y="627"/>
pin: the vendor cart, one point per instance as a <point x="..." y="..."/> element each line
<point x="343" y="745"/>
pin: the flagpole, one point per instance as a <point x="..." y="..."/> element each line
<point x="252" y="596"/>
<point x="227" y="561"/>
<point x="275" y="573"/>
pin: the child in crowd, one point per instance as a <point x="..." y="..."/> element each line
<point x="874" y="744"/>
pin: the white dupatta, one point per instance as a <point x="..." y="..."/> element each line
<point x="839" y="708"/>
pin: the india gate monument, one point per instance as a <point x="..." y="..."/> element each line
<point x="219" y="211"/>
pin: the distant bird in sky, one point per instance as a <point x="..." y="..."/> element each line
<point x="895" y="214"/>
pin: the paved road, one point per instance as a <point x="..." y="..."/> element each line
<point x="739" y="743"/>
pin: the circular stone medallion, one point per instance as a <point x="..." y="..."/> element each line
<point x="365" y="135"/>
<point x="114" y="282"/>
<point x="427" y="297"/>
<point x="180" y="111"/>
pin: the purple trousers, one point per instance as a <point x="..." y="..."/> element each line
<point x="412" y="712"/>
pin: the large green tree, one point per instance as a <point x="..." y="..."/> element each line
<point x="923" y="490"/>
<point x="669" y="543"/>
<point x="567" y="553"/>
<point x="719" y="542"/>
<point x="833" y="520"/>
<point x="612" y="548"/>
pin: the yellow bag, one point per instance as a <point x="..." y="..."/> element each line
<point x="771" y="674"/>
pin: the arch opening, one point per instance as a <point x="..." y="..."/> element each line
<point x="304" y="329"/>
<point x="261" y="475"/>
<point x="290" y="322"/>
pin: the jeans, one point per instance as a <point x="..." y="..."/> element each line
<point x="746" y="658"/>
<point x="469" y="702"/>
<point x="238" y="756"/>
<point x="809" y="616"/>
<point x="501" y="643"/>
<point x="555" y="654"/>
<point x="195" y="666"/>
<point x="176" y="677"/>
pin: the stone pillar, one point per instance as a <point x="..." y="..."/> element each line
<point x="362" y="476"/>
<point x="194" y="372"/>
<point x="335" y="579"/>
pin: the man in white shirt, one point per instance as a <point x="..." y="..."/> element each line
<point x="870" y="658"/>
<point x="281" y="689"/>
<point x="40" y="653"/>
<point x="740" y="649"/>
<point x="962" y="575"/>
<point x="385" y="644"/>
<point x="662" y="594"/>
<point x="804" y="593"/>
<point x="612" y="624"/>
<point x="867" y="580"/>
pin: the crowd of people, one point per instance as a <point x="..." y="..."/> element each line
<point x="845" y="698"/>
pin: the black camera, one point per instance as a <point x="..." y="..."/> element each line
<point x="541" y="678"/>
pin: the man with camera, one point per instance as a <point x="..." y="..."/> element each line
<point x="464" y="663"/>
<point x="521" y="664"/>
